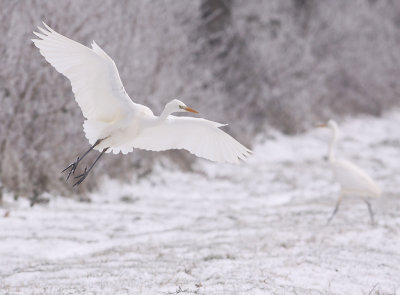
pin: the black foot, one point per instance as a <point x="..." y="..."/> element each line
<point x="71" y="166"/>
<point x="81" y="177"/>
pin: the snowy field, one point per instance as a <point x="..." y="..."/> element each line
<point x="257" y="228"/>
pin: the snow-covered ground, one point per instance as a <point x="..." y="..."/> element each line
<point x="256" y="228"/>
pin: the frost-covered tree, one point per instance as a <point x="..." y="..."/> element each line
<point x="253" y="64"/>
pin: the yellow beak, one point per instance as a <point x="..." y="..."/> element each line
<point x="190" y="110"/>
<point x="322" y="125"/>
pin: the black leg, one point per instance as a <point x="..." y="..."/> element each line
<point x="371" y="213"/>
<point x="86" y="172"/>
<point x="335" y="210"/>
<point x="74" y="165"/>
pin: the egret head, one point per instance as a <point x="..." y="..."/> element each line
<point x="330" y="124"/>
<point x="176" y="105"/>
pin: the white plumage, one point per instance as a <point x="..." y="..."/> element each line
<point x="116" y="121"/>
<point x="94" y="77"/>
<point x="352" y="179"/>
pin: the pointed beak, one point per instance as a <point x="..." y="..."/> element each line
<point x="322" y="125"/>
<point x="190" y="110"/>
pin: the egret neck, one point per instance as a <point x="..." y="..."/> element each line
<point x="168" y="110"/>
<point x="332" y="147"/>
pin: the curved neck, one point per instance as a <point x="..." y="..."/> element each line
<point x="332" y="147"/>
<point x="165" y="113"/>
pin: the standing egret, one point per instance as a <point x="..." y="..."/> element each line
<point x="114" y="123"/>
<point x="352" y="179"/>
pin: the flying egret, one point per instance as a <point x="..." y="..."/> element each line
<point x="114" y="123"/>
<point x="352" y="179"/>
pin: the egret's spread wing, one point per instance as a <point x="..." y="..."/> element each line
<point x="199" y="136"/>
<point x="94" y="77"/>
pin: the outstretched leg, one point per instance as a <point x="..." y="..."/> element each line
<point x="371" y="213"/>
<point x="74" y="165"/>
<point x="336" y="208"/>
<point x="86" y="172"/>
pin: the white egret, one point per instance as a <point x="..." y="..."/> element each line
<point x="352" y="179"/>
<point x="114" y="123"/>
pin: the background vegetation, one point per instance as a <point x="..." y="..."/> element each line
<point x="257" y="65"/>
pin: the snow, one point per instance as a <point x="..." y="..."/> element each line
<point x="255" y="228"/>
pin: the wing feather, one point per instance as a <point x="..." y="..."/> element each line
<point x="93" y="75"/>
<point x="201" y="137"/>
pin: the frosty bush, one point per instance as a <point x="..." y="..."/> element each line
<point x="252" y="64"/>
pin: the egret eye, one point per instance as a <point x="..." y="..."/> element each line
<point x="181" y="107"/>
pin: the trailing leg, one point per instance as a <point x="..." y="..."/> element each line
<point x="86" y="172"/>
<point x="74" y="165"/>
